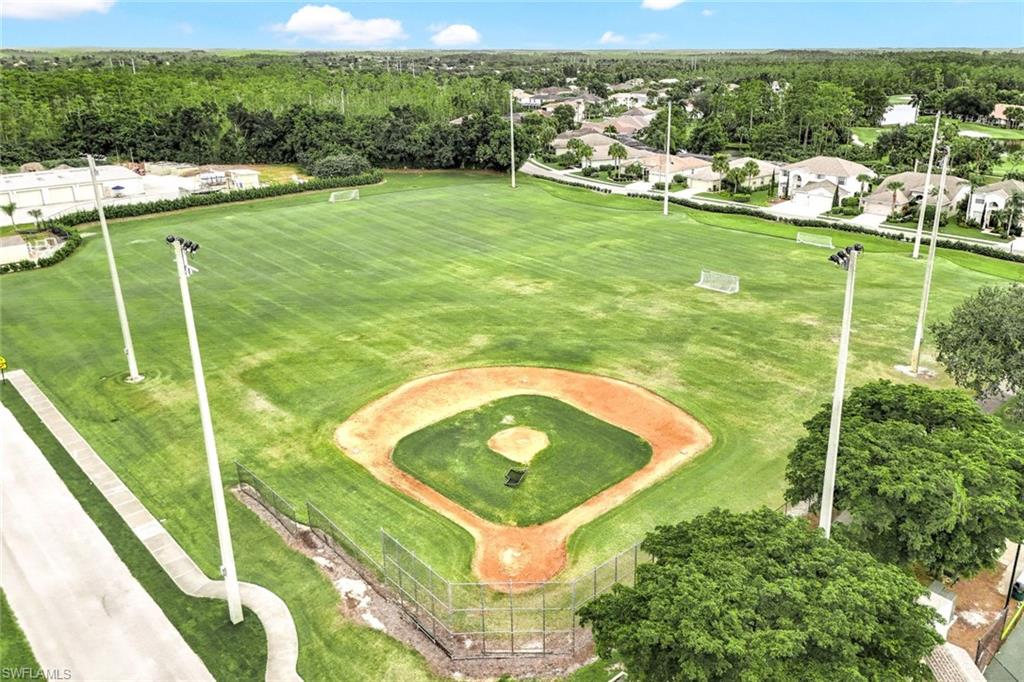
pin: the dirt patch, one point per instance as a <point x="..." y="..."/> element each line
<point x="519" y="444"/>
<point x="506" y="554"/>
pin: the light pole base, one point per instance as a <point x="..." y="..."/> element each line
<point x="922" y="372"/>
<point x="135" y="379"/>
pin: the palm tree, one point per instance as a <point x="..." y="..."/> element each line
<point x="894" y="186"/>
<point x="720" y="165"/>
<point x="1015" y="210"/>
<point x="9" y="210"/>
<point x="618" y="152"/>
<point x="750" y="170"/>
<point x="36" y="214"/>
<point x="586" y="152"/>
<point x="863" y="179"/>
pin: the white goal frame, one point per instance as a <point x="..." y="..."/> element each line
<point x="822" y="240"/>
<point x="718" y="281"/>
<point x="343" y="195"/>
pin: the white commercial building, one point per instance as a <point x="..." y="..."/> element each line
<point x="52" y="190"/>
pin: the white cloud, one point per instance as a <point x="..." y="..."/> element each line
<point x="707" y="12"/>
<point x="661" y="4"/>
<point x="610" y="38"/>
<point x="328" y="24"/>
<point x="51" y="9"/>
<point x="455" y="35"/>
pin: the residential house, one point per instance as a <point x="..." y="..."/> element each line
<point x="579" y="105"/>
<point x="631" y="84"/>
<point x="677" y="165"/>
<point x="626" y="125"/>
<point x="641" y="112"/>
<point x="883" y="202"/>
<point x="813" y="182"/>
<point x="601" y="144"/>
<point x="998" y="116"/>
<point x="991" y="198"/>
<point x="707" y="180"/>
<point x="629" y="98"/>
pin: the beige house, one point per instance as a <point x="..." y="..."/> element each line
<point x="839" y="172"/>
<point x="677" y="165"/>
<point x="600" y="143"/>
<point x="706" y="180"/>
<point x="882" y="202"/>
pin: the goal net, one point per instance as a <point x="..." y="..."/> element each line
<point x="822" y="240"/>
<point x="344" y="195"/>
<point x="718" y="281"/>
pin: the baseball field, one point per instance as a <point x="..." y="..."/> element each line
<point x="308" y="312"/>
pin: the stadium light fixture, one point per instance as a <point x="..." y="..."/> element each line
<point x="668" y="139"/>
<point x="927" y="188"/>
<point x="122" y="312"/>
<point x="922" y="314"/>
<point x="183" y="249"/>
<point x="846" y="259"/>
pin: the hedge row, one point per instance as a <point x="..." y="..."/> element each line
<point x="830" y="225"/>
<point x="64" y="225"/>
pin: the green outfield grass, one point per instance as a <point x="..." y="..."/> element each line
<point x="308" y="310"/>
<point x="585" y="456"/>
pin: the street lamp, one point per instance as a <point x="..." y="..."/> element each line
<point x="512" y="137"/>
<point x="846" y="259"/>
<point x="927" y="187"/>
<point x="182" y="250"/>
<point x="122" y="313"/>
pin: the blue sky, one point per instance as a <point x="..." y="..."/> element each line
<point x="625" y="24"/>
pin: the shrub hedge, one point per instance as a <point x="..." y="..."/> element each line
<point x="64" y="226"/>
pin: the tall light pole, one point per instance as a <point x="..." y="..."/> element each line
<point x="182" y="250"/>
<point x="512" y="137"/>
<point x="847" y="259"/>
<point x="668" y="138"/>
<point x="927" y="187"/>
<point x="122" y="313"/>
<point x="922" y="314"/>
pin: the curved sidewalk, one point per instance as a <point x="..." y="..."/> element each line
<point x="282" y="639"/>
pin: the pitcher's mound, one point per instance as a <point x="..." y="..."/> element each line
<point x="520" y="443"/>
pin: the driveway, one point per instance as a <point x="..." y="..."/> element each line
<point x="868" y="220"/>
<point x="792" y="209"/>
<point x="85" y="616"/>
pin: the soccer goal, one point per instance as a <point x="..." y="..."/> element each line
<point x="718" y="281"/>
<point x="822" y="240"/>
<point x="344" y="195"/>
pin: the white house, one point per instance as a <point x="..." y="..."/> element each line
<point x="882" y="202"/>
<point x="629" y="99"/>
<point x="706" y="180"/>
<point x="991" y="198"/>
<point x="807" y="182"/>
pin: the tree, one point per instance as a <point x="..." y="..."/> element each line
<point x="340" y="165"/>
<point x="36" y="214"/>
<point x="9" y="209"/>
<point x="864" y="179"/>
<point x="835" y="197"/>
<point x="720" y="165"/>
<point x="750" y="171"/>
<point x="707" y="137"/>
<point x="586" y="153"/>
<point x="565" y="118"/>
<point x="927" y="478"/>
<point x="894" y="186"/>
<point x="735" y="178"/>
<point x="759" y="596"/>
<point x="618" y="153"/>
<point x="982" y="342"/>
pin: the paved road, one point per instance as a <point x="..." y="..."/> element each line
<point x="80" y="608"/>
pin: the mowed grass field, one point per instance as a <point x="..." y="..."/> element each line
<point x="308" y="310"/>
<point x="585" y="456"/>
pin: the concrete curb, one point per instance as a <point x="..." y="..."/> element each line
<point x="282" y="638"/>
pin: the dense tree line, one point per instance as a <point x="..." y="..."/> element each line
<point x="395" y="108"/>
